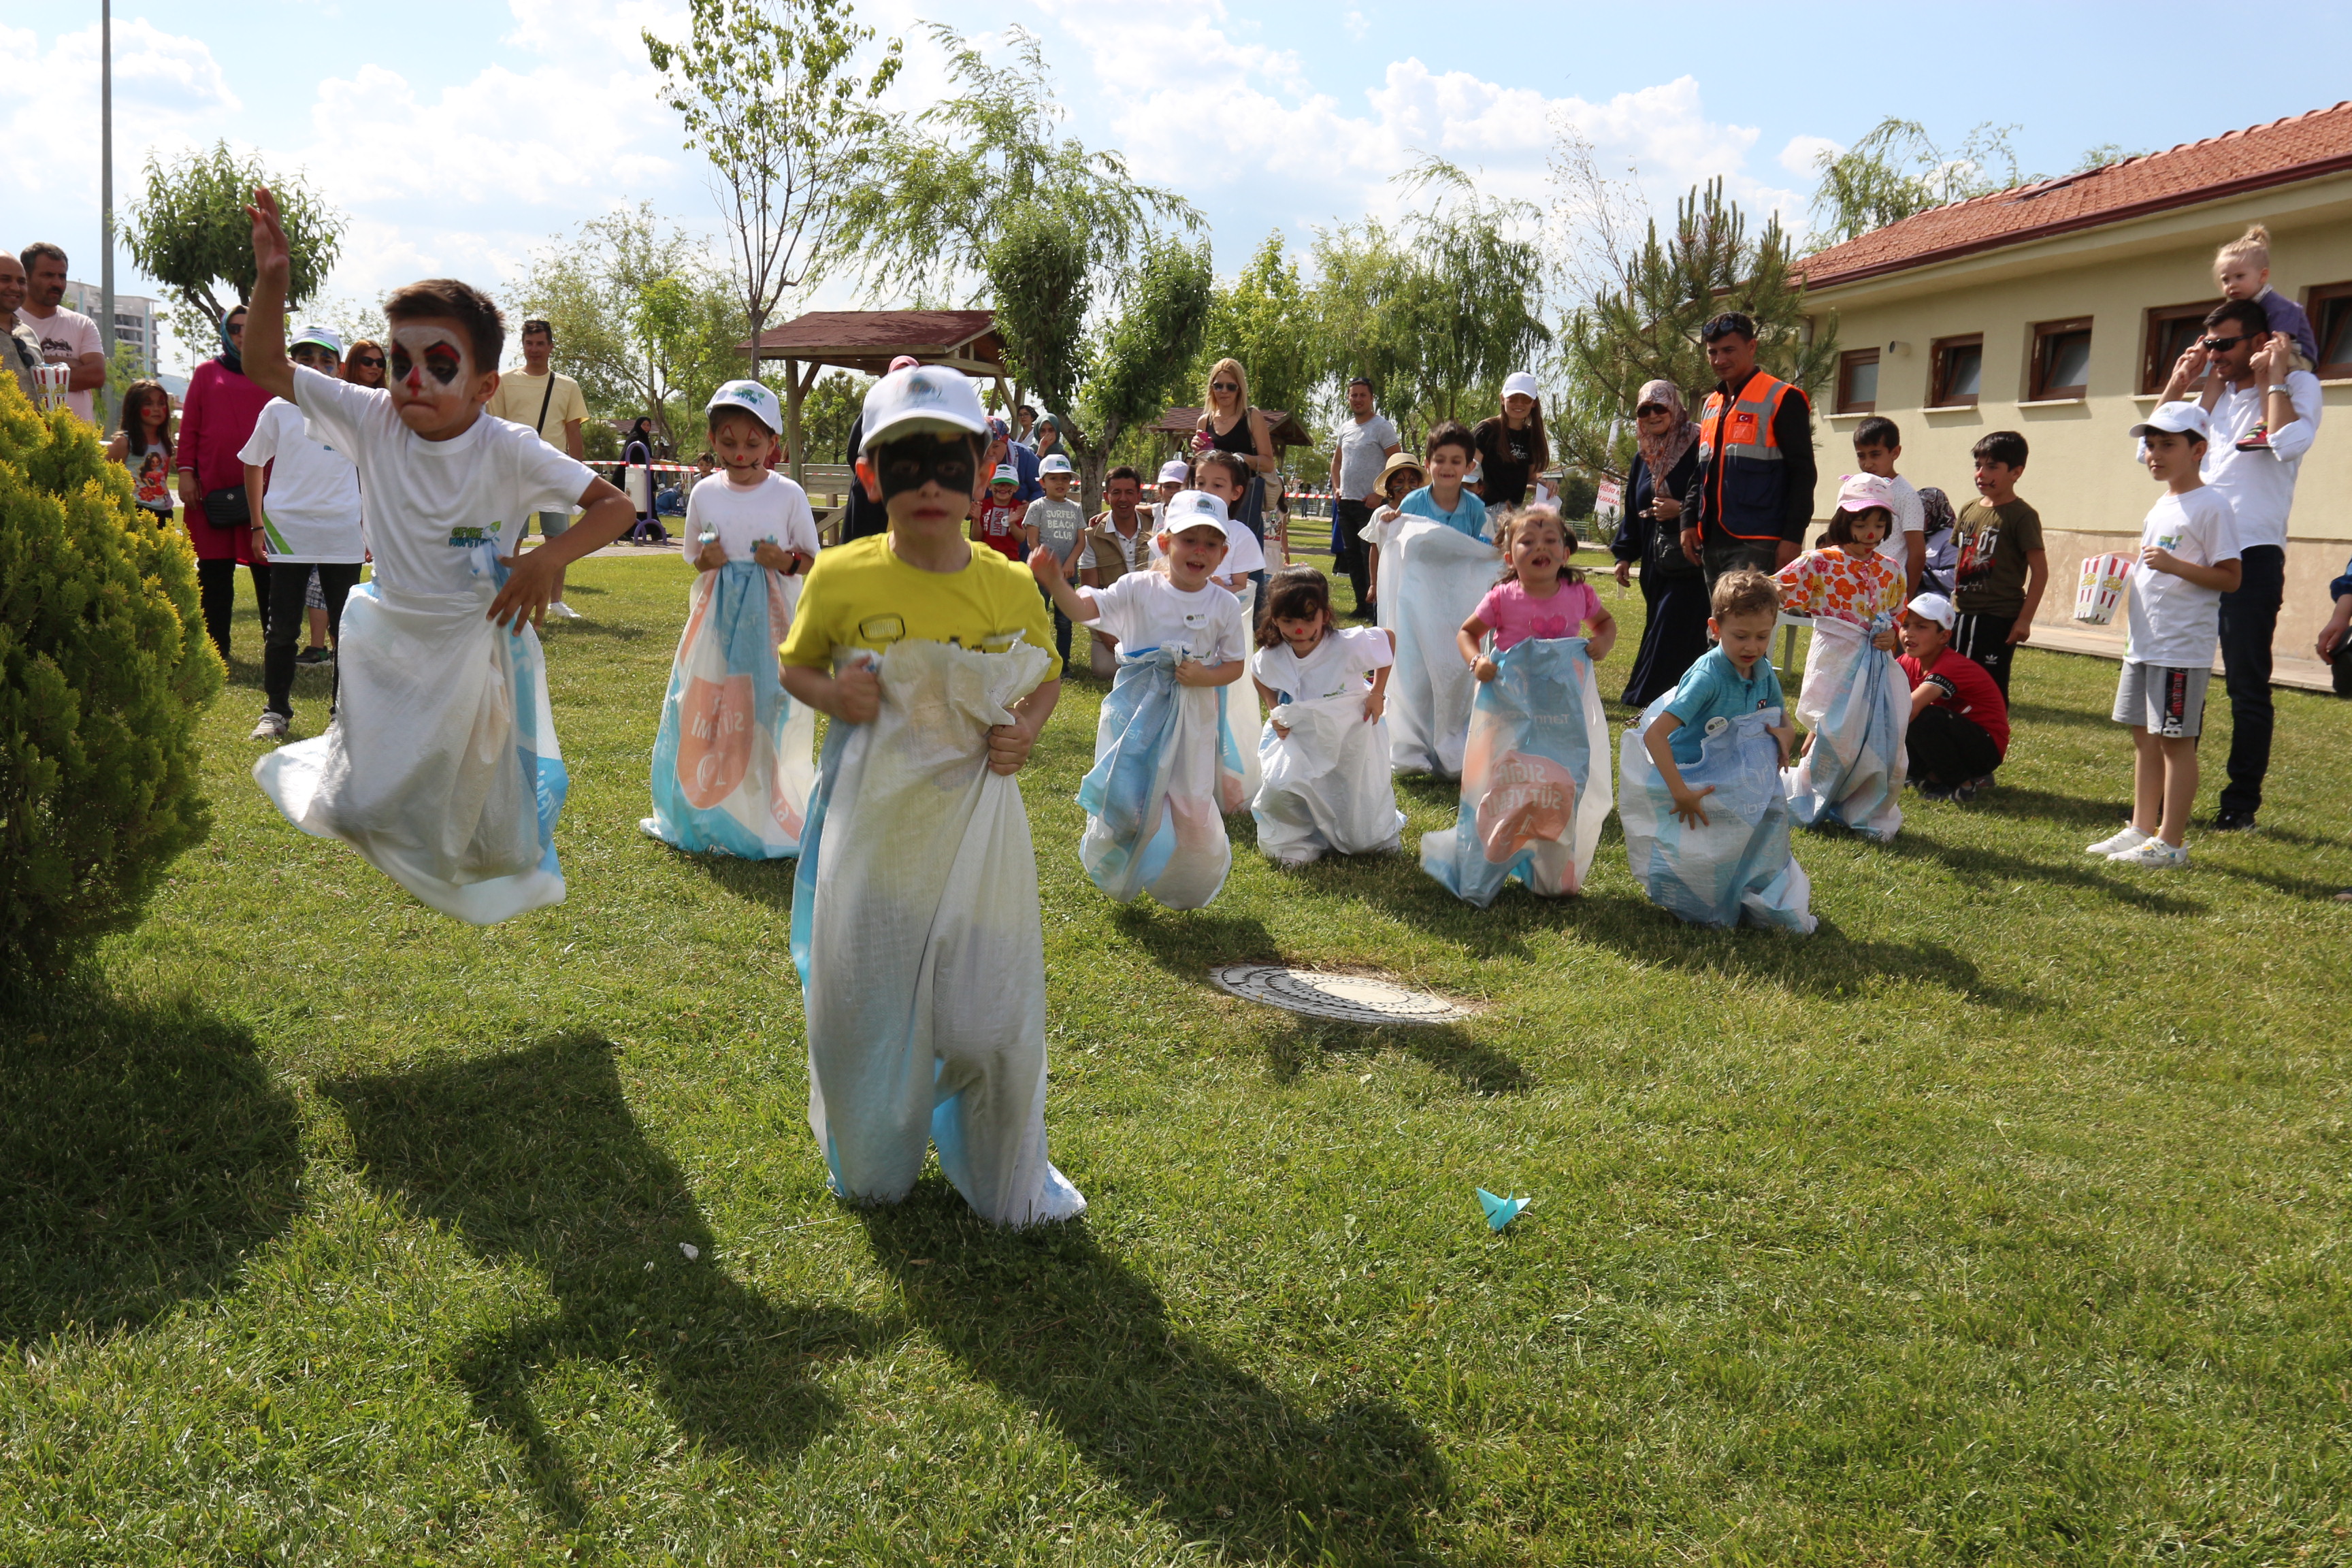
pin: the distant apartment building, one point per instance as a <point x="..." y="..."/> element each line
<point x="134" y="320"/>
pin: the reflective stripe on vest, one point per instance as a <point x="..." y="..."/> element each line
<point x="1743" y="434"/>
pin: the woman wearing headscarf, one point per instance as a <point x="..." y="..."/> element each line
<point x="216" y="419"/>
<point x="1673" y="587"/>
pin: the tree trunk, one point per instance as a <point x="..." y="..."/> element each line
<point x="1094" y="461"/>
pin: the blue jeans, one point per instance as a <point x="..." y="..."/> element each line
<point x="2249" y="620"/>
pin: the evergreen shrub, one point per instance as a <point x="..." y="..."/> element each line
<point x="104" y="670"/>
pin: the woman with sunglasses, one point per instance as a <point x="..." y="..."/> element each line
<point x="1228" y="424"/>
<point x="1673" y="634"/>
<point x="216" y="419"/>
<point x="363" y="364"/>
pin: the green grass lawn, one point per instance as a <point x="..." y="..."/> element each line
<point x="2004" y="1220"/>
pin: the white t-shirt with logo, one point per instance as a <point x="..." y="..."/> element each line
<point x="1341" y="665"/>
<point x="66" y="335"/>
<point x="312" y="503"/>
<point x="2175" y="624"/>
<point x="774" y="509"/>
<point x="1146" y="610"/>
<point x="431" y="503"/>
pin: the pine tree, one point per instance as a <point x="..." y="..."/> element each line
<point x="104" y="670"/>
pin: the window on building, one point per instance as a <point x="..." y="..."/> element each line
<point x="2061" y="359"/>
<point x="2331" y="322"/>
<point x="1857" y="390"/>
<point x="1956" y="371"/>
<point x="2170" y="330"/>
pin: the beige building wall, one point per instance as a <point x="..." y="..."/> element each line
<point x="2081" y="475"/>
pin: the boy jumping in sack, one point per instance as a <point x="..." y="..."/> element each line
<point x="442" y="766"/>
<point x="915" y="918"/>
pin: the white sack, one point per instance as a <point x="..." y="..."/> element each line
<point x="1431" y="578"/>
<point x="916" y="931"/>
<point x="1738" y="867"/>
<point x="1155" y="821"/>
<point x="1326" y="787"/>
<point x="1857" y="704"/>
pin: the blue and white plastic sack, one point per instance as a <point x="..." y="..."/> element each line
<point x="1325" y="788"/>
<point x="1740" y="866"/>
<point x="1535" y="778"/>
<point x="735" y="756"/>
<point x="916" y="933"/>
<point x="442" y="767"/>
<point x="1155" y="822"/>
<point x="1431" y="579"/>
<point x="1857" y="704"/>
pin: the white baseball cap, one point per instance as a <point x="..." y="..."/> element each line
<point x="1860" y="492"/>
<point x="751" y="398"/>
<point x="1193" y="508"/>
<point x="930" y="399"/>
<point x="1522" y="382"/>
<point x="2176" y="419"/>
<point x="1005" y="475"/>
<point x="1175" y="472"/>
<point x="1935" y="607"/>
<point x="321" y="336"/>
<point x="1055" y="463"/>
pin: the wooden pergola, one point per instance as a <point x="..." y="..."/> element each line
<point x="869" y="341"/>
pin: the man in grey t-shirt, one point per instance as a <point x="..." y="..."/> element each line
<point x="1367" y="441"/>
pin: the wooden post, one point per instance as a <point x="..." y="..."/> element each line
<point x="793" y="418"/>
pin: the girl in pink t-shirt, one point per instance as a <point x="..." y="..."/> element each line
<point x="1541" y="596"/>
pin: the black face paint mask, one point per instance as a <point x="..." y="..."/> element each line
<point x="912" y="464"/>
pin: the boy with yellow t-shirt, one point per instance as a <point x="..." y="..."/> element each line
<point x="915" y="915"/>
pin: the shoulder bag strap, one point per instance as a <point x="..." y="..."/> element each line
<point x="545" y="399"/>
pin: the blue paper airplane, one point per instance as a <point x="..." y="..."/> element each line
<point x="1500" y="1211"/>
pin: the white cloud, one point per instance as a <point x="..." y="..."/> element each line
<point x="1802" y="155"/>
<point x="1359" y="25"/>
<point x="169" y="92"/>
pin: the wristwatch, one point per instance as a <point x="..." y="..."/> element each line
<point x="2281" y="387"/>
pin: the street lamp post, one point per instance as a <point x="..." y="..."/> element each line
<point x="106" y="334"/>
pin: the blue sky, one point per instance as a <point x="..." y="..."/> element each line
<point x="467" y="134"/>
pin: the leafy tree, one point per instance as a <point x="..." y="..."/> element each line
<point x="1045" y="282"/>
<point x="640" y="320"/>
<point x="938" y="192"/>
<point x="831" y="408"/>
<point x="1438" y="311"/>
<point x="104" y="671"/>
<point x="768" y="95"/>
<point x="2108" y="152"/>
<point x="188" y="231"/>
<point x="1896" y="170"/>
<point x="1642" y="324"/>
<point x="1268" y="320"/>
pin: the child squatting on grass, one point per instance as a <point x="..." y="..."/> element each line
<point x="1324" y="752"/>
<point x="732" y="769"/>
<point x="915" y="918"/>
<point x="442" y="767"/>
<point x="2188" y="560"/>
<point x="1154" y="821"/>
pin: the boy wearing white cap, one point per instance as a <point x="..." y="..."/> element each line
<point x="1959" y="720"/>
<point x="305" y="498"/>
<point x="2188" y="560"/>
<point x="915" y="918"/>
<point x="1056" y="522"/>
<point x="999" y="519"/>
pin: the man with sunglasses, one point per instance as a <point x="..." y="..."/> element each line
<point x="1752" y="498"/>
<point x="551" y="403"/>
<point x="2263" y="417"/>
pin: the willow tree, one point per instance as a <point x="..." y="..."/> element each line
<point x="1642" y="323"/>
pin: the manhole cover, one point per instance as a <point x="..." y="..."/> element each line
<point x="1352" y="998"/>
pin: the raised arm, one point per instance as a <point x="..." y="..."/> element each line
<point x="265" y="365"/>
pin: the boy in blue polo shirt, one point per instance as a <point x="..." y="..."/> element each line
<point x="1732" y="677"/>
<point x="1445" y="499"/>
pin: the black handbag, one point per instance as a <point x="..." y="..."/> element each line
<point x="228" y="507"/>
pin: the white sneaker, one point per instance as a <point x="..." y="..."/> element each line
<point x="2155" y="852"/>
<point x="2123" y="843"/>
<point x="269" y="727"/>
<point x="562" y="612"/>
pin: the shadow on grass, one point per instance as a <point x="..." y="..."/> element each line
<point x="1190" y="942"/>
<point x="768" y="883"/>
<point x="143" y="1153"/>
<point x="533" y="1156"/>
<point x="1305" y="1043"/>
<point x="1053" y="1321"/>
<point x="2007" y="867"/>
<point x="590" y="626"/>
<point x="1828" y="962"/>
<point x="2022" y="713"/>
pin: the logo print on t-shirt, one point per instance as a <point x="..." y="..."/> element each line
<point x="882" y="628"/>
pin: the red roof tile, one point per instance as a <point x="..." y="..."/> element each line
<point x="2300" y="148"/>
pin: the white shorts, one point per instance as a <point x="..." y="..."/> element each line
<point x="2162" y="699"/>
